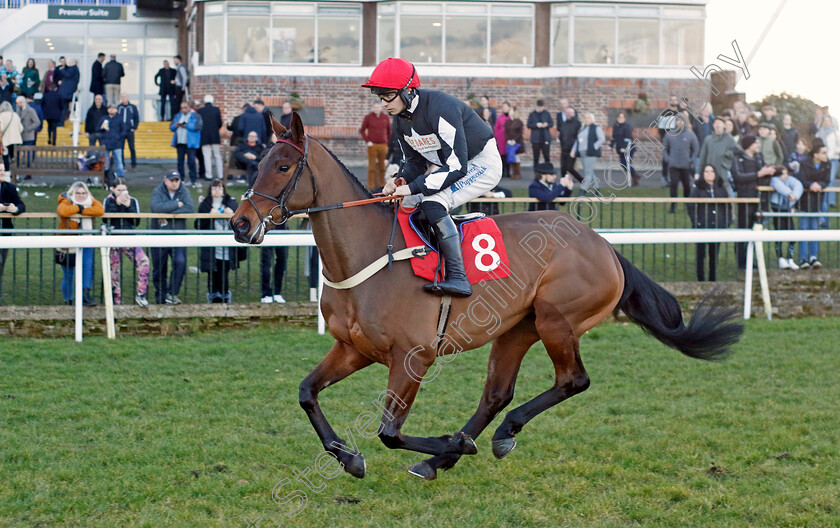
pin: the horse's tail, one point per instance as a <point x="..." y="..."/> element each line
<point x="709" y="334"/>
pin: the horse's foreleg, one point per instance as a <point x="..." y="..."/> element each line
<point x="341" y="361"/>
<point x="506" y="356"/>
<point x="403" y="383"/>
<point x="570" y="377"/>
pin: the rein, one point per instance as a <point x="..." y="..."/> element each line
<point x="290" y="188"/>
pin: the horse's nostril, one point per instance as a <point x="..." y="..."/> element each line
<point x="242" y="226"/>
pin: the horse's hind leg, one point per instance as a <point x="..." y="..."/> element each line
<point x="570" y="377"/>
<point x="502" y="368"/>
<point x="341" y="361"/>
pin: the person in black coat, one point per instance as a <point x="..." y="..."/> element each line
<point x="815" y="174"/>
<point x="260" y="107"/>
<point x="51" y="106"/>
<point x="236" y="137"/>
<point x="211" y="119"/>
<point x="252" y="120"/>
<point x="540" y="123"/>
<point x="248" y="156"/>
<point x="10" y="202"/>
<point x="622" y="139"/>
<point x="112" y="136"/>
<point x="97" y="84"/>
<point x="545" y="188"/>
<point x="748" y="172"/>
<point x="567" y="135"/>
<point x="121" y="202"/>
<point x="68" y="83"/>
<point x="95" y="113"/>
<point x="7" y="89"/>
<point x="217" y="262"/>
<point x="708" y="216"/>
<point x="165" y="80"/>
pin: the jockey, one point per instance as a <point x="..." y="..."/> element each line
<point x="450" y="157"/>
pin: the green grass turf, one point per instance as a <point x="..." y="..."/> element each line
<point x="197" y="431"/>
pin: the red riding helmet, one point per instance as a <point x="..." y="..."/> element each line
<point x="393" y="74"/>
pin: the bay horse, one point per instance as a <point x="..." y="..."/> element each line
<point x="564" y="279"/>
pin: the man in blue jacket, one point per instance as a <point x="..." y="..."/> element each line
<point x="172" y="198"/>
<point x="252" y="120"/>
<point x="112" y="136"/>
<point x="186" y="138"/>
<point x="130" y="118"/>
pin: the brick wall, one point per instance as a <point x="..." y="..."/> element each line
<point x="346" y="103"/>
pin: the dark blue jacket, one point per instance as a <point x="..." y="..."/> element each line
<point x="111" y="206"/>
<point x="252" y="120"/>
<point x="622" y="135"/>
<point x="112" y="72"/>
<point x="69" y="82"/>
<point x="51" y="105"/>
<point x="540" y="135"/>
<point x="129" y="116"/>
<point x="97" y="84"/>
<point x="546" y="195"/>
<point x="8" y="196"/>
<point x="212" y="122"/>
<point x="113" y="137"/>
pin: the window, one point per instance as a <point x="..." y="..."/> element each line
<point x="456" y="33"/>
<point x="560" y="35"/>
<point x="282" y="33"/>
<point x="638" y="41"/>
<point x="594" y="40"/>
<point x="683" y="42"/>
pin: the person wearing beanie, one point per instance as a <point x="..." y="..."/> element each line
<point x="748" y="172"/>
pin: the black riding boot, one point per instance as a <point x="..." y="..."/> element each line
<point x="455" y="281"/>
<point x="87" y="300"/>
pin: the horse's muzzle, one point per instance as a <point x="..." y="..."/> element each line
<point x="242" y="231"/>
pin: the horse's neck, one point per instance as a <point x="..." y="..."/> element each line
<point x="349" y="238"/>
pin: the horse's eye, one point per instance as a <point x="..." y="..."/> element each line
<point x="283" y="168"/>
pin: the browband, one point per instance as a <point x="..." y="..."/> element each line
<point x="292" y="144"/>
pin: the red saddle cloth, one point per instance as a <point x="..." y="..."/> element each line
<point x="482" y="245"/>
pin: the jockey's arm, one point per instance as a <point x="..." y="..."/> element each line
<point x="453" y="155"/>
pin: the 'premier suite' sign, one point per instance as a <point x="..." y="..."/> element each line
<point x="61" y="12"/>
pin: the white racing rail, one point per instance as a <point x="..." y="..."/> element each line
<point x="754" y="237"/>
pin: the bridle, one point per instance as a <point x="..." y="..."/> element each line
<point x="285" y="213"/>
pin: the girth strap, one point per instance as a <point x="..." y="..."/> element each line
<point x="376" y="265"/>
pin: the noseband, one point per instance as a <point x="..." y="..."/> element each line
<point x="285" y="214"/>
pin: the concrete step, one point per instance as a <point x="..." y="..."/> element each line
<point x="152" y="139"/>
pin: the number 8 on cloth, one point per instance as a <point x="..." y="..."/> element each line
<point x="484" y="252"/>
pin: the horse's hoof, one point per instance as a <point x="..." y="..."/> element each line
<point x="357" y="466"/>
<point x="502" y="447"/>
<point x="469" y="447"/>
<point x="423" y="470"/>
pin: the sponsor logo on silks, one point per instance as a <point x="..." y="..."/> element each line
<point x="468" y="179"/>
<point x="423" y="143"/>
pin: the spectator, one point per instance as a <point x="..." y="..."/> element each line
<point x="236" y="137"/>
<point x="97" y="76"/>
<point x="800" y="155"/>
<point x="788" y="190"/>
<point x="182" y="82"/>
<point x="702" y="126"/>
<point x="30" y="79"/>
<point x="28" y="120"/>
<point x="621" y="141"/>
<point x="567" y="135"/>
<point x="112" y="74"/>
<point x="277" y="257"/>
<point x="717" y="151"/>
<point x="165" y="80"/>
<point x="130" y="118"/>
<point x="830" y="137"/>
<point x="515" y="143"/>
<point x="10" y="203"/>
<point x="484" y="101"/>
<point x="211" y="140"/>
<point x="561" y="114"/>
<point x="112" y="132"/>
<point x="540" y="123"/>
<point x="250" y="120"/>
<point x="789" y="136"/>
<point x="708" y="216"/>
<point x="546" y="188"/>
<point x="730" y="129"/>
<point x="186" y="138"/>
<point x="95" y="113"/>
<point x="12" y="73"/>
<point x="78" y="200"/>
<point x="51" y="105"/>
<point x="486" y="117"/>
<point x="36" y="104"/>
<point x="499" y="133"/>
<point x="169" y="197"/>
<point x="770" y="148"/>
<point x="588" y="148"/>
<point x="666" y="122"/>
<point x="680" y="152"/>
<point x="261" y="109"/>
<point x="815" y="174"/>
<point x="376" y="132"/>
<point x="770" y="115"/>
<point x="248" y="156"/>
<point x="121" y="202"/>
<point x="10" y="132"/>
<point x="217" y="262"/>
<point x="50" y="82"/>
<point x="68" y="84"/>
<point x="286" y="116"/>
<point x="748" y="172"/>
<point x="7" y="89"/>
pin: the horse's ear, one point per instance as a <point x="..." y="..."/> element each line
<point x="279" y="129"/>
<point x="297" y="129"/>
